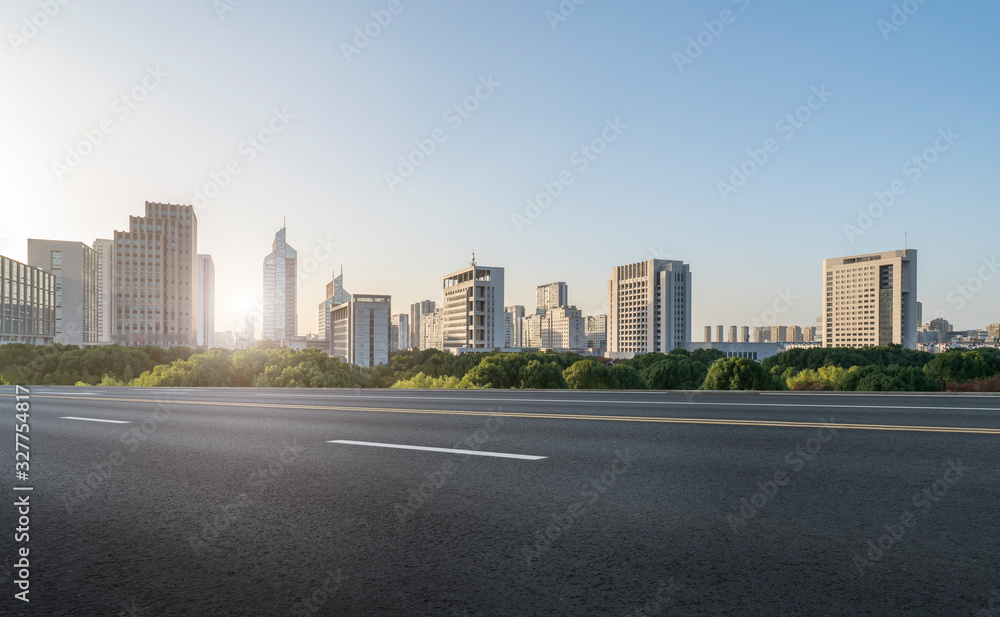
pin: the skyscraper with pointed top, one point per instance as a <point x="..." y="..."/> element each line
<point x="280" y="292"/>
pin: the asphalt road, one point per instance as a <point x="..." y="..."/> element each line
<point x="252" y="502"/>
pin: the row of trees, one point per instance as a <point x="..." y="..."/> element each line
<point x="889" y="368"/>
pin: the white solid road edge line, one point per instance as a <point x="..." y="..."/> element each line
<point x="445" y="450"/>
<point x="95" y="420"/>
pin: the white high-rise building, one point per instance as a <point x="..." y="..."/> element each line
<point x="206" y="301"/>
<point x="870" y="300"/>
<point x="513" y="321"/>
<point x="473" y="308"/>
<point x="649" y="305"/>
<point x="417" y="311"/>
<point x="551" y="296"/>
<point x="430" y="330"/>
<point x="105" y="289"/>
<point x="563" y="329"/>
<point x="280" y="293"/>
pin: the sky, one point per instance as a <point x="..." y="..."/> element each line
<point x="558" y="140"/>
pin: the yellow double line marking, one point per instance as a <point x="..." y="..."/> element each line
<point x="557" y="416"/>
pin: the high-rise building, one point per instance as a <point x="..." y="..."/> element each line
<point x="335" y="294"/>
<point x="794" y="334"/>
<point x="762" y="334"/>
<point x="513" y="322"/>
<point x="719" y="330"/>
<point x="779" y="334"/>
<point x="431" y="336"/>
<point x="280" y="293"/>
<point x="744" y="334"/>
<point x="417" y="310"/>
<point x="206" y="301"/>
<point x="360" y="330"/>
<point x="941" y="325"/>
<point x="596" y="331"/>
<point x="870" y="300"/>
<point x="733" y="334"/>
<point x="708" y="334"/>
<point x="563" y="329"/>
<point x="155" y="264"/>
<point x="74" y="265"/>
<point x="531" y="331"/>
<point x="551" y="296"/>
<point x="993" y="331"/>
<point x="809" y="334"/>
<point x="27" y="304"/>
<point x="473" y="308"/>
<point x="400" y="337"/>
<point x="105" y="289"/>
<point x="649" y="307"/>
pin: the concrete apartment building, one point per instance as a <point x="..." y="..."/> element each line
<point x="27" y="304"/>
<point x="870" y="300"/>
<point x="74" y="266"/>
<point x="400" y="337"/>
<point x="155" y="265"/>
<point x="335" y="294"/>
<point x="360" y="330"/>
<point x="563" y="328"/>
<point x="105" y="289"/>
<point x="596" y="332"/>
<point x="280" y="290"/>
<point x="513" y="323"/>
<point x="649" y="306"/>
<point x="431" y="336"/>
<point x="550" y="296"/>
<point x="993" y="332"/>
<point x="205" y="326"/>
<point x="733" y="334"/>
<point x="417" y="311"/>
<point x="708" y="334"/>
<point x="472" y="305"/>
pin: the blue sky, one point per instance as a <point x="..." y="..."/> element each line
<point x="554" y="88"/>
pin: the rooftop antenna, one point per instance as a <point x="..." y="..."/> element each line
<point x="904" y="243"/>
<point x="473" y="263"/>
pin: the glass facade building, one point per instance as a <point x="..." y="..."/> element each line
<point x="27" y="304"/>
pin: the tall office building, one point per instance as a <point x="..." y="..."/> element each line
<point x="27" y="304"/>
<point x="431" y="330"/>
<point x="649" y="307"/>
<point x="473" y="308"/>
<point x="360" y="330"/>
<point x="205" y="324"/>
<point x="417" y="311"/>
<point x="596" y="332"/>
<point x="400" y="337"/>
<point x="513" y="321"/>
<point x="335" y="294"/>
<point x="280" y="293"/>
<point x="551" y="296"/>
<point x="155" y="264"/>
<point x="74" y="265"/>
<point x="870" y="300"/>
<point x="105" y="289"/>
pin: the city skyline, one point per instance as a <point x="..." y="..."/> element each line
<point x="896" y="124"/>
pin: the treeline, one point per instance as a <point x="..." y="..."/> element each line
<point x="879" y="369"/>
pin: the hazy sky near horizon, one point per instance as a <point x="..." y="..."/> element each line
<point x="618" y="114"/>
